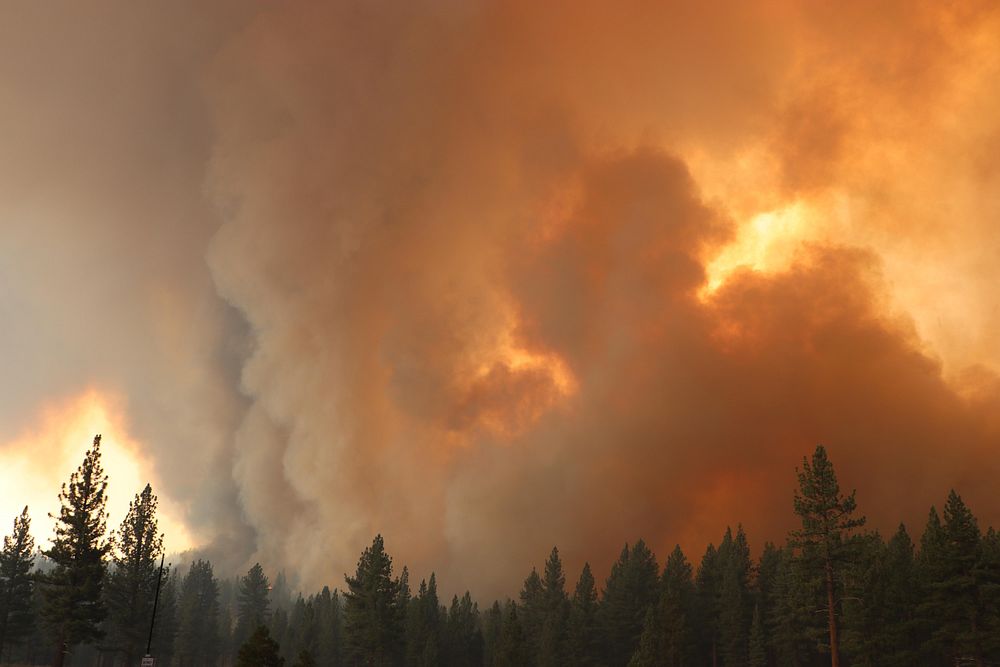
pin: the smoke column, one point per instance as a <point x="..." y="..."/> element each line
<point x="488" y="277"/>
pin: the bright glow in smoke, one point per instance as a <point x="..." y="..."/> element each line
<point x="35" y="464"/>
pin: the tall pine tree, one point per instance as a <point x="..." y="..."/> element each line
<point x="74" y="600"/>
<point x="824" y="542"/>
<point x="630" y="591"/>
<point x="373" y="627"/>
<point x="582" y="633"/>
<point x="133" y="576"/>
<point x="252" y="603"/>
<point x="555" y="612"/>
<point x="198" y="639"/>
<point x="16" y="584"/>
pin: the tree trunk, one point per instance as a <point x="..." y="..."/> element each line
<point x="60" y="657"/>
<point x="832" y="611"/>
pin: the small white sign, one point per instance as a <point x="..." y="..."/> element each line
<point x="148" y="661"/>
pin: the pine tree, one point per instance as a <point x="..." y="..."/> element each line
<point x="259" y="650"/>
<point x="764" y="590"/>
<point x="899" y="600"/>
<point x="464" y="639"/>
<point x="374" y="632"/>
<point x="423" y="625"/>
<point x="531" y="613"/>
<point x="404" y="597"/>
<point x="676" y="609"/>
<point x="305" y="659"/>
<point x="989" y="591"/>
<point x="198" y="628"/>
<point x="131" y="582"/>
<point x="74" y="600"/>
<point x="793" y="626"/>
<point x="956" y="579"/>
<point x="492" y="622"/>
<point x="707" y="610"/>
<point x="16" y="584"/>
<point x="757" y="654"/>
<point x="252" y="603"/>
<point x="649" y="653"/>
<point x="824" y="542"/>
<point x="631" y="589"/>
<point x="582" y="636"/>
<point x="330" y="628"/>
<point x="512" y="650"/>
<point x="733" y="598"/>
<point x="165" y="630"/>
<point x="555" y="612"/>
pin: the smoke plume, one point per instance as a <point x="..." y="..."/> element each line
<point x="488" y="277"/>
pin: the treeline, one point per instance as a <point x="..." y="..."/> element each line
<point x="833" y="594"/>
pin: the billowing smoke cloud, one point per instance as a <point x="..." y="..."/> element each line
<point x="522" y="274"/>
<point x="472" y="243"/>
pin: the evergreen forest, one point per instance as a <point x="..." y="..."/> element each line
<point x="835" y="593"/>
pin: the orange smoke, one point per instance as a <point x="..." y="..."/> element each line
<point x="532" y="273"/>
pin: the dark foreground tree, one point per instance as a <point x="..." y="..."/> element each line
<point x="372" y="619"/>
<point x="16" y="586"/>
<point x="824" y="543"/>
<point x="74" y="600"/>
<point x="252" y="603"/>
<point x="582" y="636"/>
<point x="259" y="651"/>
<point x="198" y="640"/>
<point x="131" y="583"/>
<point x="632" y="588"/>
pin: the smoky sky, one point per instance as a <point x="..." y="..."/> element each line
<point x="449" y="271"/>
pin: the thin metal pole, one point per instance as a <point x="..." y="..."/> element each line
<point x="156" y="600"/>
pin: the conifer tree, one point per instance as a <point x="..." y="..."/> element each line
<point x="423" y="625"/>
<point x="372" y="620"/>
<point x="989" y="590"/>
<point x="555" y="612"/>
<point x="198" y="639"/>
<point x="404" y="597"/>
<point x="330" y="627"/>
<point x="734" y="601"/>
<point x="649" y="653"/>
<point x="824" y="542"/>
<point x="132" y="579"/>
<point x="793" y="626"/>
<point x="631" y="589"/>
<point x="757" y="654"/>
<point x="582" y="634"/>
<point x="676" y="610"/>
<point x="16" y="584"/>
<point x="252" y="603"/>
<point x="957" y="582"/>
<point x="464" y="638"/>
<point x="899" y="599"/>
<point x="165" y="631"/>
<point x="492" y="622"/>
<point x="512" y="650"/>
<point x="764" y="591"/>
<point x="74" y="600"/>
<point x="531" y="613"/>
<point x="929" y="564"/>
<point x="260" y="650"/>
<point x="708" y="582"/>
